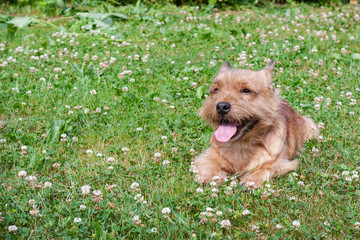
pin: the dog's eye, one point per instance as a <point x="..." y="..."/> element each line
<point x="245" y="90"/>
<point x="216" y="90"/>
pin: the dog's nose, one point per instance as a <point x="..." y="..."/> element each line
<point x="223" y="108"/>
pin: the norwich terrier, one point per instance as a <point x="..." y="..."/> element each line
<point x="257" y="134"/>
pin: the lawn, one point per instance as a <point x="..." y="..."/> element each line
<point x="99" y="122"/>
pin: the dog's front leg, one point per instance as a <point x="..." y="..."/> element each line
<point x="256" y="178"/>
<point x="208" y="165"/>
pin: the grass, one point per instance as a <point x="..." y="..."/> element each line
<point x="317" y="53"/>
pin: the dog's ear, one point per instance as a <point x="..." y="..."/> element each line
<point x="225" y="67"/>
<point x="269" y="70"/>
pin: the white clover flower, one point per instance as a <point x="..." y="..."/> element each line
<point x="249" y="184"/>
<point x="301" y="183"/>
<point x="166" y="211"/>
<point x="157" y="155"/>
<point x="326" y="223"/>
<point x="233" y="183"/>
<point x="22" y="174"/>
<point x="225" y="223"/>
<point x="12" y="228"/>
<point x="345" y="173"/>
<point x="110" y="160"/>
<point x="215" y="190"/>
<point x="166" y="163"/>
<point x="110" y="167"/>
<point x="154" y="230"/>
<point x="34" y="212"/>
<point x="93" y="92"/>
<point x="317" y="106"/>
<point x="30" y="178"/>
<point x="136" y="219"/>
<point x="139" y="197"/>
<point x="164" y="137"/>
<point x="82" y="207"/>
<point x="213" y="184"/>
<point x="3" y="140"/>
<point x="219" y="213"/>
<point x="209" y="209"/>
<point x="125" y="149"/>
<point x="296" y="223"/>
<point x="89" y="152"/>
<point x="125" y="89"/>
<point x="156" y="99"/>
<point x="134" y="185"/>
<point x="47" y="185"/>
<point x="279" y="226"/>
<point x="85" y="189"/>
<point x="255" y="227"/>
<point x="292" y="198"/>
<point x="23" y="148"/>
<point x="99" y="154"/>
<point x="216" y="178"/>
<point x="97" y="193"/>
<point x="139" y="129"/>
<point x="245" y="212"/>
<point x="349" y="179"/>
<point x="200" y="190"/>
<point x="356" y="225"/>
<point x="32" y="201"/>
<point x="77" y="220"/>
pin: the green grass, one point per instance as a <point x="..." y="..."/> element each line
<point x="38" y="120"/>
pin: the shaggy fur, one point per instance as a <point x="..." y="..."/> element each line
<point x="269" y="135"/>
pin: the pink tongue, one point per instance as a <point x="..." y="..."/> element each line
<point x="225" y="132"/>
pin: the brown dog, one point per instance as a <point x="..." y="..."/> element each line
<point x="257" y="135"/>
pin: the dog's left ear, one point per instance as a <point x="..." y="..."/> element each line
<point x="225" y="67"/>
<point x="269" y="70"/>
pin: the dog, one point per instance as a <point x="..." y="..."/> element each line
<point x="257" y="134"/>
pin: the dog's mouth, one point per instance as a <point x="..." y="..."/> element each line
<point x="234" y="131"/>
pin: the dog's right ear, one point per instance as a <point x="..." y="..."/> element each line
<point x="225" y="67"/>
<point x="269" y="71"/>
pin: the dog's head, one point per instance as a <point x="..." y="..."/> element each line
<point x="240" y="102"/>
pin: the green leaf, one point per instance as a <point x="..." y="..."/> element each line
<point x="102" y="16"/>
<point x="336" y="56"/>
<point x="199" y="92"/>
<point x="3" y="25"/>
<point x="356" y="56"/>
<point x="243" y="31"/>
<point x="234" y="32"/>
<point x="20" y="21"/>
<point x="206" y="35"/>
<point x="54" y="131"/>
<point x="101" y="24"/>
<point x="212" y="2"/>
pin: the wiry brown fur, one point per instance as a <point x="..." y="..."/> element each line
<point x="270" y="147"/>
